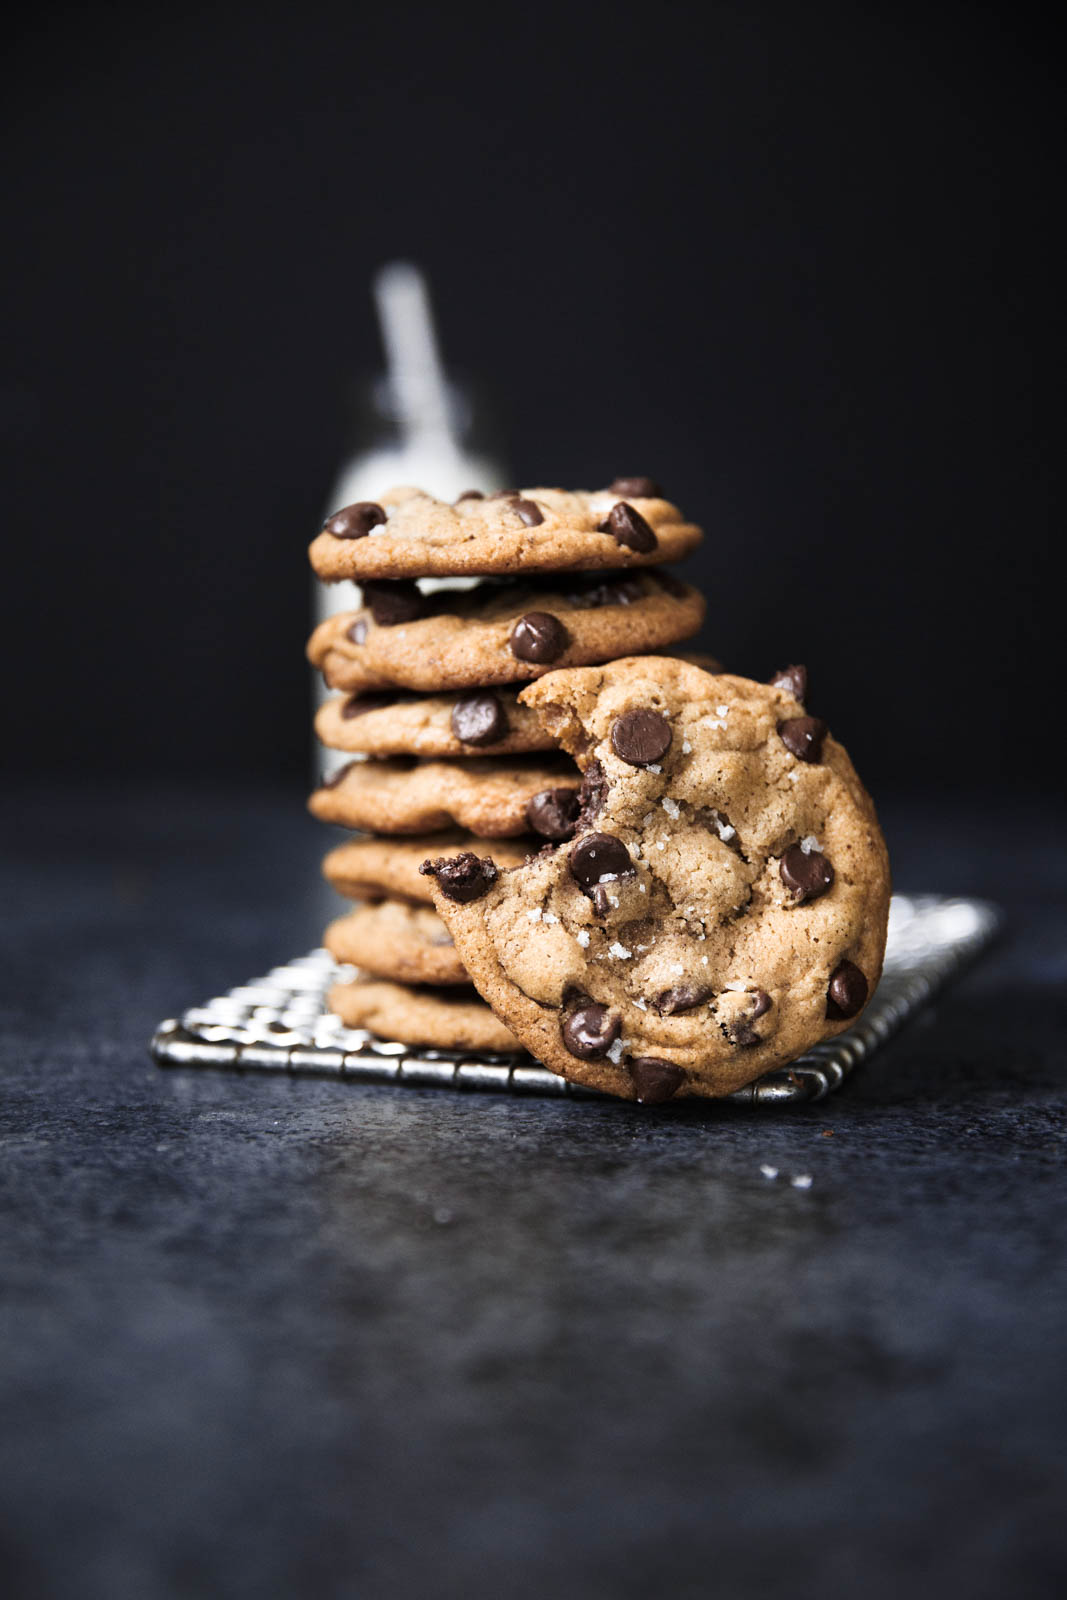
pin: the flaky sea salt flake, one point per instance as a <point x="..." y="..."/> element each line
<point x="619" y="951"/>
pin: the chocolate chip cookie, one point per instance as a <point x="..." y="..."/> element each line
<point x="397" y="722"/>
<point x="376" y="869"/>
<point x="407" y="944"/>
<point x="720" y="906"/>
<point x="491" y="798"/>
<point x="499" y="632"/>
<point x="409" y="534"/>
<point x="444" y="1019"/>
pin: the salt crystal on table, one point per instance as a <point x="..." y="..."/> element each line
<point x="769" y="1172"/>
<point x="802" y="1180"/>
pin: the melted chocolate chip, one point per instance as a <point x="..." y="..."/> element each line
<point x="806" y="874"/>
<point x="360" y="704"/>
<point x="554" y="813"/>
<point x="621" y="591"/>
<point x="358" y="631"/>
<point x="479" y="719"/>
<point x="654" y="1079"/>
<point x="674" y="586"/>
<point x="847" y="991"/>
<point x="628" y="527"/>
<point x="640" y="737"/>
<point x="355" y="521"/>
<point x="538" y="637"/>
<point x="462" y="878"/>
<point x="742" y="1032"/>
<point x="636" y="488"/>
<point x="590" y="1031"/>
<point x="794" y="680"/>
<point x="602" y="905"/>
<point x="683" y="997"/>
<point x="803" y="737"/>
<point x="528" y="512"/>
<point x="598" y="853"/>
<point x="337" y="777"/>
<point x="469" y="494"/>
<point x="393" y="600"/>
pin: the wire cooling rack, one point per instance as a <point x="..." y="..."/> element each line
<point x="279" y="1023"/>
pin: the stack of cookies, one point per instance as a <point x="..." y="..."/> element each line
<point x="660" y="879"/>
<point x="463" y="604"/>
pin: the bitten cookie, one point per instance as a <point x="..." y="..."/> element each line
<point x="440" y="1018"/>
<point x="490" y="798"/>
<point x="376" y="869"/>
<point x="499" y="632"/>
<point x="720" y="907"/>
<point x="409" y="534"/>
<point x="407" y="944"/>
<point x="396" y="723"/>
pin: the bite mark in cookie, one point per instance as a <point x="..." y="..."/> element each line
<point x="711" y="914"/>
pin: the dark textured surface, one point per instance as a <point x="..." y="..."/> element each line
<point x="266" y="1337"/>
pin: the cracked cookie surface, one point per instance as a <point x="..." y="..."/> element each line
<point x="409" y="534"/>
<point x="721" y="904"/>
<point x="499" y="633"/>
<point x="404" y="943"/>
<point x="442" y="1018"/>
<point x="487" y="797"/>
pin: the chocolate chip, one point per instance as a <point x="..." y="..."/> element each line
<point x="683" y="997"/>
<point x="337" y="777"/>
<point x="640" y="737"/>
<point x="356" y="521"/>
<point x="803" y="737"/>
<point x="847" y="991"/>
<point x="462" y="878"/>
<point x="590" y="1031"/>
<point x="554" y="813"/>
<point x="479" y="719"/>
<point x="628" y="527"/>
<point x="358" y="631"/>
<point x="602" y="905"/>
<point x="622" y="591"/>
<point x="674" y="586"/>
<point x="742" y="1032"/>
<point x="360" y="704"/>
<point x="597" y="853"/>
<point x="794" y="680"/>
<point x="528" y="512"/>
<point x="469" y="494"/>
<point x="504" y="494"/>
<point x="654" y="1079"/>
<point x="636" y="488"/>
<point x="539" y="637"/>
<point x="393" y="600"/>
<point x="807" y="874"/>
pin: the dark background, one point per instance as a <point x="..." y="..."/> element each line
<point x="796" y="262"/>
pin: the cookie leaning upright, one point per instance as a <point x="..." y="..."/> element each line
<point x="409" y="534"/>
<point x="721" y="905"/>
